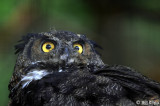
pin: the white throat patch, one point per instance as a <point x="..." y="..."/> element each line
<point x="33" y="75"/>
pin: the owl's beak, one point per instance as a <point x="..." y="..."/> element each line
<point x="65" y="54"/>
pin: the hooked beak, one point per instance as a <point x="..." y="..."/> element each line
<point x="65" y="54"/>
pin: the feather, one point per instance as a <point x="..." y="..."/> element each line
<point x="134" y="82"/>
<point x="25" y="39"/>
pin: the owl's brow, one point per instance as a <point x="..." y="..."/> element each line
<point x="47" y="39"/>
<point x="81" y="41"/>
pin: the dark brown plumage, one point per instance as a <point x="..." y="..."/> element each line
<point x="61" y="68"/>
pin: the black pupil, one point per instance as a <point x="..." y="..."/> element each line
<point x="48" y="46"/>
<point x="76" y="47"/>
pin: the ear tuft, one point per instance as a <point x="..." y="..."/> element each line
<point x="25" y="39"/>
<point x="95" y="45"/>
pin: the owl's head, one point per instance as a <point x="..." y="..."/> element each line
<point x="59" y="50"/>
<point x="40" y="54"/>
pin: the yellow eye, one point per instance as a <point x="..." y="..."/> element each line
<point x="47" y="47"/>
<point x="78" y="47"/>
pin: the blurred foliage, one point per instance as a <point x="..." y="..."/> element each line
<point x="128" y="30"/>
<point x="6" y="65"/>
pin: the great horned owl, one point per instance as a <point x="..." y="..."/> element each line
<point x="60" y="68"/>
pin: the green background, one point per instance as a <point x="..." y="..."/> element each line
<point x="128" y="30"/>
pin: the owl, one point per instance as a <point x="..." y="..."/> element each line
<point x="62" y="68"/>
